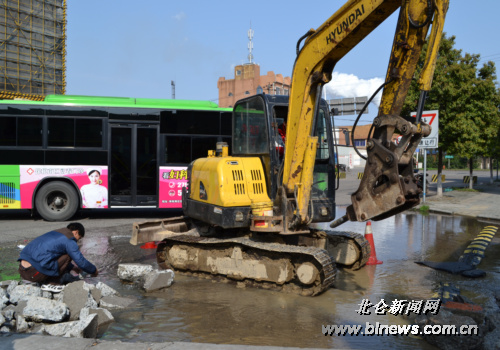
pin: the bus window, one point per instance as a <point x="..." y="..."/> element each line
<point x="226" y="122"/>
<point x="190" y="122"/>
<point x="7" y="131"/>
<point x="29" y="131"/>
<point x="178" y="149"/>
<point x="61" y="132"/>
<point x="88" y="133"/>
<point x="201" y="145"/>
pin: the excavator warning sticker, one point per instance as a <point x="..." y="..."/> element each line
<point x="431" y="118"/>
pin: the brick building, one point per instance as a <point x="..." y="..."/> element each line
<point x="360" y="135"/>
<point x="248" y="81"/>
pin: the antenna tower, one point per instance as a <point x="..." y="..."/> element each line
<point x="250" y="44"/>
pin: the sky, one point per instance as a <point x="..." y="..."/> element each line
<point x="136" y="48"/>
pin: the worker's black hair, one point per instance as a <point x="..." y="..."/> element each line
<point x="76" y="226"/>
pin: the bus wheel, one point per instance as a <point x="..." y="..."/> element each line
<point x="56" y="201"/>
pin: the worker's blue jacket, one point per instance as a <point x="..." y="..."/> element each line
<point x="42" y="253"/>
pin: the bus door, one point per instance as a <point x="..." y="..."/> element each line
<point x="133" y="173"/>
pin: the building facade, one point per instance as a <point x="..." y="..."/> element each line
<point x="32" y="48"/>
<point x="248" y="81"/>
<point x="361" y="132"/>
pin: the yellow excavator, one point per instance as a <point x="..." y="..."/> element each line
<point x="252" y="216"/>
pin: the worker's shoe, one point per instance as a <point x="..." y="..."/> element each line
<point x="52" y="288"/>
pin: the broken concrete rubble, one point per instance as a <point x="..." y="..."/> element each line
<point x="40" y="309"/>
<point x="156" y="280"/>
<point x="133" y="272"/>
<point x="145" y="276"/>
<point x="105" y="289"/>
<point x="78" y="311"/>
<point x="116" y="302"/>
<point x="23" y="292"/>
<point x="77" y="296"/>
<point x="104" y="316"/>
<point x="84" y="328"/>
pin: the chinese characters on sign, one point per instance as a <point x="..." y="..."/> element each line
<point x="400" y="307"/>
<point x="175" y="174"/>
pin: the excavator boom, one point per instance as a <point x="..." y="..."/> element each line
<point x="322" y="49"/>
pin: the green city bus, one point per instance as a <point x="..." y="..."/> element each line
<point x="75" y="152"/>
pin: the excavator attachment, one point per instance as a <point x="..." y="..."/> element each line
<point x="388" y="186"/>
<point x="157" y="230"/>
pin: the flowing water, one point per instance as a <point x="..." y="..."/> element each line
<point x="199" y="310"/>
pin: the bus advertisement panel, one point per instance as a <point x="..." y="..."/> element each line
<point x="92" y="181"/>
<point x="172" y="180"/>
<point x="10" y="193"/>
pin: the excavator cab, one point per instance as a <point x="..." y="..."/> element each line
<point x="259" y="130"/>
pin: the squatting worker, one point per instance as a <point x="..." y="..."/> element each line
<point x="48" y="257"/>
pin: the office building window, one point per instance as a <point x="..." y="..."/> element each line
<point x="360" y="143"/>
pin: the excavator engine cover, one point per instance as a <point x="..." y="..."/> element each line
<point x="221" y="190"/>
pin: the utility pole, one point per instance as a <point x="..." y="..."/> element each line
<point x="173" y="89"/>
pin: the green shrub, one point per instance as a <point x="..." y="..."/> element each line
<point x="424" y="209"/>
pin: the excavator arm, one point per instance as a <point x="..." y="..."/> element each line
<point x="322" y="49"/>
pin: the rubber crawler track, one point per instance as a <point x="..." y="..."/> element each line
<point x="319" y="257"/>
<point x="359" y="240"/>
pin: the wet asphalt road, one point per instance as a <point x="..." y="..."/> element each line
<point x="19" y="225"/>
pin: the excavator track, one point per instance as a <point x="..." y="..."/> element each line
<point x="357" y="242"/>
<point x="301" y="270"/>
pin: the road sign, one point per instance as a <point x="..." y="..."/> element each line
<point x="431" y="118"/>
<point x="448" y="157"/>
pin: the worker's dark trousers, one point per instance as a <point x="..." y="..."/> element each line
<point x="32" y="275"/>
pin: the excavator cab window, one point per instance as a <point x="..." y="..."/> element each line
<point x="323" y="168"/>
<point x="250" y="135"/>
<point x="322" y="152"/>
<point x="278" y="130"/>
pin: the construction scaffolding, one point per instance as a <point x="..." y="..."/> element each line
<point x="32" y="48"/>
